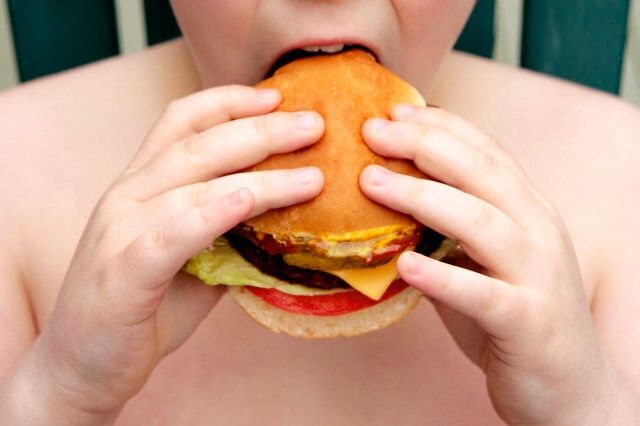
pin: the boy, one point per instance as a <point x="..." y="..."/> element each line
<point x="552" y="234"/>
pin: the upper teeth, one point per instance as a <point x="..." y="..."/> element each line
<point x="326" y="49"/>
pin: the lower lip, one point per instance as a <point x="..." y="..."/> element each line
<point x="348" y="46"/>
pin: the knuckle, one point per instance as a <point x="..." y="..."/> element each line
<point x="142" y="249"/>
<point x="125" y="262"/>
<point x="537" y="318"/>
<point x="546" y="204"/>
<point x="507" y="305"/>
<point x="173" y="113"/>
<point x="118" y="269"/>
<point x="550" y="228"/>
<point x="159" y="239"/>
<point x="443" y="118"/>
<point x="486" y="164"/>
<point x="422" y="133"/>
<point x="192" y="147"/>
<point x="262" y="130"/>
<point x="108" y="204"/>
<point x="107" y="222"/>
<point x="446" y="280"/>
<point x="199" y="194"/>
<point x="270" y="183"/>
<point x="268" y="189"/>
<point x="489" y="298"/>
<point x="516" y="312"/>
<point x="206" y="218"/>
<point x="230" y="90"/>
<point x="491" y="143"/>
<point x="482" y="217"/>
<point x="554" y="213"/>
<point x="173" y="108"/>
<point x="224" y="96"/>
<point x="418" y="190"/>
<point x="517" y="241"/>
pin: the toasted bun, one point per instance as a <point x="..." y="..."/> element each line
<point x="374" y="318"/>
<point x="346" y="89"/>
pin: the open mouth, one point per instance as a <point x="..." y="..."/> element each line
<point x="305" y="52"/>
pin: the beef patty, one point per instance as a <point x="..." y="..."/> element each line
<point x="275" y="265"/>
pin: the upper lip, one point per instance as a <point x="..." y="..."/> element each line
<point x="347" y="41"/>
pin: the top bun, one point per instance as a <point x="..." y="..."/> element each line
<point x="346" y="89"/>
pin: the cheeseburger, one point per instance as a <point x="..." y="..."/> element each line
<point x="326" y="267"/>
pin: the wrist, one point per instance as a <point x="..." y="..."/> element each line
<point x="613" y="401"/>
<point x="619" y="404"/>
<point x="32" y="395"/>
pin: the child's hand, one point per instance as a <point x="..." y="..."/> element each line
<point x="525" y="321"/>
<point x="122" y="307"/>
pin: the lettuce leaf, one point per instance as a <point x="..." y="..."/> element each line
<point x="220" y="264"/>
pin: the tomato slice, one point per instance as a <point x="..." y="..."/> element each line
<point x="326" y="304"/>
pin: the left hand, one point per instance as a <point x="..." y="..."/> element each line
<point x="524" y="318"/>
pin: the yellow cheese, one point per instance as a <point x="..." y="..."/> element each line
<point x="372" y="282"/>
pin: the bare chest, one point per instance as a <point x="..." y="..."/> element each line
<point x="232" y="371"/>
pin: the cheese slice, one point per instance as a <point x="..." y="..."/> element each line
<point x="372" y="282"/>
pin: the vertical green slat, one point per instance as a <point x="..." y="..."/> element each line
<point x="478" y="35"/>
<point x="579" y="40"/>
<point x="54" y="35"/>
<point x="161" y="24"/>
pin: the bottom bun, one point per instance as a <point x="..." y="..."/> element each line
<point x="374" y="318"/>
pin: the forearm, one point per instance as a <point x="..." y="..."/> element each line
<point x="30" y="395"/>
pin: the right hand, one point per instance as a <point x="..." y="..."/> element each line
<point x="124" y="305"/>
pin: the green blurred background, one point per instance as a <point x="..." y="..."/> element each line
<point x="579" y="40"/>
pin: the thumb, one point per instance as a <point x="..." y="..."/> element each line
<point x="470" y="338"/>
<point x="185" y="305"/>
<point x="495" y="306"/>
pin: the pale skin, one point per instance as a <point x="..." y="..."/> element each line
<point x="536" y="178"/>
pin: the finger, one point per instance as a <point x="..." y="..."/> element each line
<point x="498" y="308"/>
<point x="223" y="149"/>
<point x="468" y="133"/>
<point x="487" y="235"/>
<point x="469" y="337"/>
<point x="458" y="127"/>
<point x="186" y="303"/>
<point x="270" y="189"/>
<point x="195" y="113"/>
<point x="448" y="159"/>
<point x="153" y="258"/>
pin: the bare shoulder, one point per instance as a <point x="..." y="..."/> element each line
<point x="64" y="139"/>
<point x="580" y="146"/>
<point x="54" y="116"/>
<point x="57" y="129"/>
<point x="508" y="98"/>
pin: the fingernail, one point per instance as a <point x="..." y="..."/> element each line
<point x="404" y="110"/>
<point x="305" y="176"/>
<point x="379" y="176"/>
<point x="412" y="263"/>
<point x="236" y="198"/>
<point x="307" y="120"/>
<point x="268" y="94"/>
<point x="379" y="126"/>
